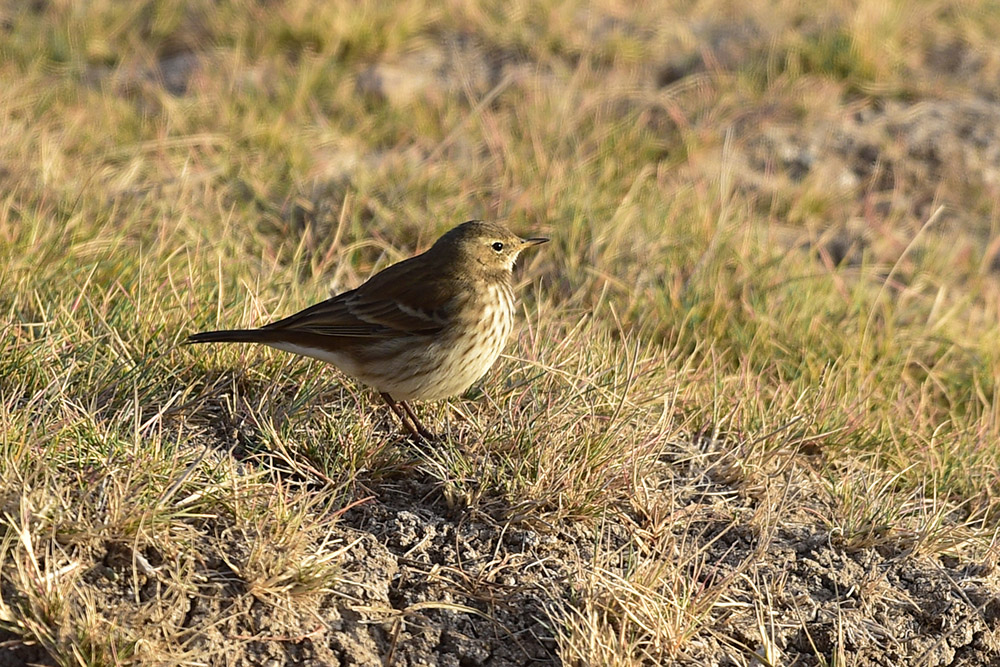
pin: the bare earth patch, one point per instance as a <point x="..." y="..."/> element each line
<point x="420" y="583"/>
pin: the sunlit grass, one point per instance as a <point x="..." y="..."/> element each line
<point x="688" y="310"/>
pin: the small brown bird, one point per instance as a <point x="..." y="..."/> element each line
<point x="423" y="329"/>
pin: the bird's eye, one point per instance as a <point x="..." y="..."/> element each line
<point x="498" y="246"/>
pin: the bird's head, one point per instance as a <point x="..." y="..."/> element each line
<point x="490" y="246"/>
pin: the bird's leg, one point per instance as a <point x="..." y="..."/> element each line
<point x="416" y="429"/>
<point x="396" y="411"/>
<point x="421" y="429"/>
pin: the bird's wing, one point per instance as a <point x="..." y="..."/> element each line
<point x="402" y="299"/>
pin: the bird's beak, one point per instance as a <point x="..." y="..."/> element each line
<point x="535" y="241"/>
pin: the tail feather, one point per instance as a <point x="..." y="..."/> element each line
<point x="233" y="336"/>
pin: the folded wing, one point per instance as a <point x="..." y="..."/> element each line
<point x="399" y="300"/>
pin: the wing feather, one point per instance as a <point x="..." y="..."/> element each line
<point x="405" y="298"/>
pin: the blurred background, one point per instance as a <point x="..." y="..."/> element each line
<point x="650" y="131"/>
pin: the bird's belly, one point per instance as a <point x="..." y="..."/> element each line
<point x="444" y="367"/>
<point x="347" y="363"/>
<point x="422" y="367"/>
<point x="408" y="369"/>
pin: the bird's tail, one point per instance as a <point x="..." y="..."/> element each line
<point x="233" y="336"/>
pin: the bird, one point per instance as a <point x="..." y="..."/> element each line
<point x="423" y="329"/>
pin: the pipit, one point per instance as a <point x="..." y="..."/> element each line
<point x="423" y="329"/>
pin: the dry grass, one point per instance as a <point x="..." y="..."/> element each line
<point x="688" y="310"/>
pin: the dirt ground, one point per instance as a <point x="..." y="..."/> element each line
<point x="422" y="583"/>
